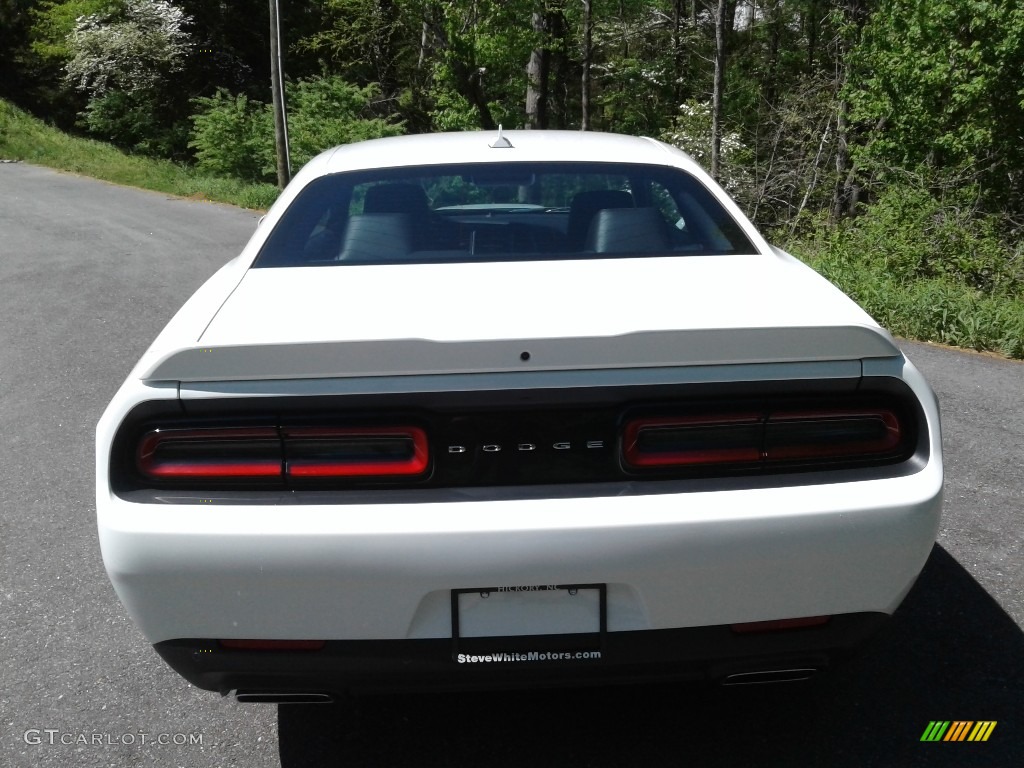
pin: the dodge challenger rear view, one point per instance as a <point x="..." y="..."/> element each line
<point x="532" y="408"/>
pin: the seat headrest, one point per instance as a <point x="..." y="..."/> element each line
<point x="627" y="230"/>
<point x="376" y="237"/>
<point x="395" y="198"/>
<point x="585" y="204"/>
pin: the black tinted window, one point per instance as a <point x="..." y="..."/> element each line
<point x="501" y="212"/>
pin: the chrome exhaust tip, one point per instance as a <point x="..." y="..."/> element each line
<point x="765" y="676"/>
<point x="278" y="697"/>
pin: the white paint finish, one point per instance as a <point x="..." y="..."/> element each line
<point x="522" y="300"/>
<point x="374" y="571"/>
<point x="308" y="322"/>
<point x="527" y="146"/>
<point x="350" y="572"/>
<point x="365" y="572"/>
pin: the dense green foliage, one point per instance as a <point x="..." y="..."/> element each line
<point x="932" y="309"/>
<point x="327" y="111"/>
<point x="928" y="268"/>
<point x="882" y="140"/>
<point x="948" y="80"/>
<point x="233" y="136"/>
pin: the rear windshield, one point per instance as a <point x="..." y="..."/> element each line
<point x="501" y="212"/>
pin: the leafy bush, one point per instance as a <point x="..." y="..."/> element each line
<point x="907" y="265"/>
<point x="911" y="234"/>
<point x="134" y="121"/>
<point x="233" y="137"/>
<point x="327" y="111"/>
<point x="453" y="112"/>
<point x="941" y="81"/>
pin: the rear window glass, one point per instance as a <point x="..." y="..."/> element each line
<point x="501" y="212"/>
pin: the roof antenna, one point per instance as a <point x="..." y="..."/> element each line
<point x="501" y="142"/>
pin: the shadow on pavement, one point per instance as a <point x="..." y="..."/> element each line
<point x="950" y="653"/>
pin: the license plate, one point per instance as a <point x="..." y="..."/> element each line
<point x="518" y="611"/>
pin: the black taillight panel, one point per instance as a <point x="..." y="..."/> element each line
<point x="693" y="440"/>
<point x="328" y="454"/>
<point x="249" y="454"/>
<point x="626" y="435"/>
<point x="841" y="433"/>
<point x="226" y="455"/>
<point x="770" y="437"/>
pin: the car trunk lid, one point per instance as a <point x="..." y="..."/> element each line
<point x="360" y="321"/>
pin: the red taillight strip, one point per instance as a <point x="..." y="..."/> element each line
<point x="259" y="454"/>
<point x="745" y="438"/>
<point x="241" y="453"/>
<point x="715" y="439"/>
<point x="326" y="452"/>
<point x="831" y="434"/>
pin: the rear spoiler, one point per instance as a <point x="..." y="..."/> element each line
<point x="403" y="357"/>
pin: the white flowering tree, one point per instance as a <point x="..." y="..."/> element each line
<point x="125" y="60"/>
<point x="691" y="131"/>
<point x="132" y="50"/>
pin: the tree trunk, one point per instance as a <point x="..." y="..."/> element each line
<point x="537" y="74"/>
<point x="561" y="68"/>
<point x="776" y="25"/>
<point x="471" y="84"/>
<point x="588" y="46"/>
<point x="847" y="193"/>
<point x="721" y="16"/>
<point x="277" y="96"/>
<point x="677" y="51"/>
<point x="844" y="178"/>
<point x="811" y="26"/>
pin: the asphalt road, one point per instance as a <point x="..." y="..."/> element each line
<point x="90" y="272"/>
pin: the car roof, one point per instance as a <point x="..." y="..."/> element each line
<point x="485" y="147"/>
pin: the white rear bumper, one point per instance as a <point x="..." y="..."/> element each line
<point x="385" y="571"/>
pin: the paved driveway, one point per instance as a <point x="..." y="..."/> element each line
<point x="89" y="273"/>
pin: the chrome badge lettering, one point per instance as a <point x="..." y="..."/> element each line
<point x="559" y="445"/>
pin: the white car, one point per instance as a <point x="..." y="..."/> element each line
<point x="497" y="410"/>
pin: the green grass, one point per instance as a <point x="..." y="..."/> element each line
<point x="934" y="309"/>
<point x="23" y="137"/>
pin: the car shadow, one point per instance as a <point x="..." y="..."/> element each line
<point x="950" y="653"/>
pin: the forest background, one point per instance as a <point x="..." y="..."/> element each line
<point x="883" y="142"/>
